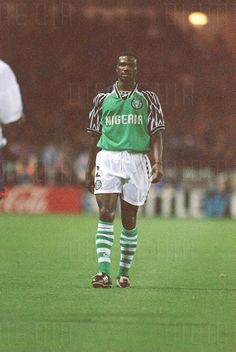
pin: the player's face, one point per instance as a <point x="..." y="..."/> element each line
<point x="126" y="69"/>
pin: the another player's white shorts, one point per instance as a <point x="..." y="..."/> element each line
<point x="125" y="173"/>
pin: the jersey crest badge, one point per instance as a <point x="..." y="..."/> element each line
<point x="137" y="104"/>
<point x="98" y="184"/>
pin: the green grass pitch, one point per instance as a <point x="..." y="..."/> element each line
<point x="183" y="297"/>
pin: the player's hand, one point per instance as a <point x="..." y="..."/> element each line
<point x="89" y="182"/>
<point x="157" y="172"/>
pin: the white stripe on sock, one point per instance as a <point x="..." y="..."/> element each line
<point x="105" y="227"/>
<point x="129" y="238"/>
<point x="104" y="242"/>
<point x="123" y="256"/>
<point x="128" y="249"/>
<point x="104" y="259"/>
<point x="104" y="250"/>
<point x="125" y="265"/>
<point x="105" y="235"/>
<point x="127" y="243"/>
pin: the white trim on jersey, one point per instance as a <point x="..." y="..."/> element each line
<point x="118" y="91"/>
<point x="155" y="116"/>
<point x="94" y="115"/>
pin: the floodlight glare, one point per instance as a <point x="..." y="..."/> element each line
<point x="198" y="18"/>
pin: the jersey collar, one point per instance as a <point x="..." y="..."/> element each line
<point x="115" y="86"/>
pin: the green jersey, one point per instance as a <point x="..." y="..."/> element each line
<point x="126" y="120"/>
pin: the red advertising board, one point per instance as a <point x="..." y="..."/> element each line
<point x="38" y="200"/>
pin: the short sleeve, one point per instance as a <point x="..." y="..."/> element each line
<point x="155" y="119"/>
<point x="95" y="115"/>
<point x="11" y="107"/>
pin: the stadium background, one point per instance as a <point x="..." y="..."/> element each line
<point x="183" y="295"/>
<point x="63" y="52"/>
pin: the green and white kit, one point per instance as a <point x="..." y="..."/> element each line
<point x="125" y="122"/>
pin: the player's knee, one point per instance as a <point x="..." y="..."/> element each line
<point x="129" y="225"/>
<point x="129" y="222"/>
<point x="107" y="214"/>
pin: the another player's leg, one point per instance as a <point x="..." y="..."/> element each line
<point x="128" y="242"/>
<point x="104" y="238"/>
<point x="2" y="189"/>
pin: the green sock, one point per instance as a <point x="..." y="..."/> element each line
<point x="104" y="242"/>
<point x="128" y="245"/>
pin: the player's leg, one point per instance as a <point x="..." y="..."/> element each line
<point x="107" y="206"/>
<point x="2" y="189"/>
<point x="107" y="189"/>
<point x="134" y="194"/>
<point x="128" y="215"/>
<point x="128" y="242"/>
<point x="104" y="238"/>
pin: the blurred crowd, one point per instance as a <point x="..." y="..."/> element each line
<point x="68" y="53"/>
<point x="61" y="165"/>
<point x="72" y="49"/>
<point x="51" y="165"/>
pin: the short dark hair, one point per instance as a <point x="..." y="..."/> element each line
<point x="129" y="55"/>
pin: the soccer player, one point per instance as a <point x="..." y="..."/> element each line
<point x="124" y="124"/>
<point x="11" y="108"/>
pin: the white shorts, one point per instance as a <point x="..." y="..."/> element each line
<point x="125" y="173"/>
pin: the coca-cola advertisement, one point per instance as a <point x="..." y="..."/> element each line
<point x="38" y="200"/>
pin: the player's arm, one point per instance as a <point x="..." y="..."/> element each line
<point x="94" y="133"/>
<point x="93" y="150"/>
<point x="157" y="152"/>
<point x="156" y="127"/>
